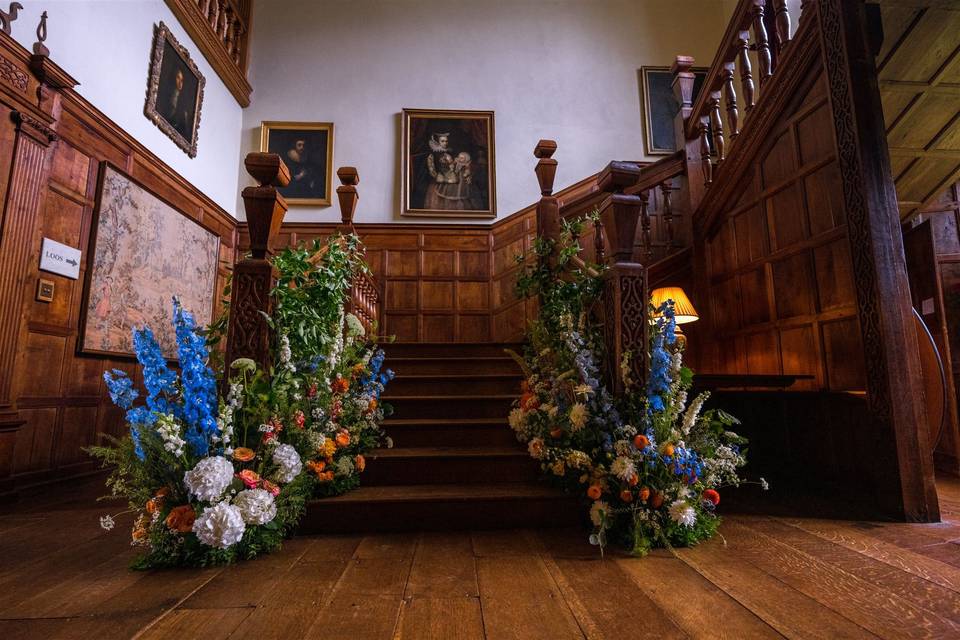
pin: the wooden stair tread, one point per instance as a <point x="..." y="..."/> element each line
<point x="479" y="398"/>
<point x="448" y="452"/>
<point x="402" y="422"/>
<point x="448" y="492"/>
<point x="457" y="376"/>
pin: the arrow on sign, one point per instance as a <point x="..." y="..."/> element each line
<point x="72" y="263"/>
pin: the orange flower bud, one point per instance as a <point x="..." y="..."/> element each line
<point x="594" y="492"/>
<point x="634" y="479"/>
<point x="657" y="501"/>
<point x="626" y="495"/>
<point x="641" y="441"/>
<point x="644" y="494"/>
<point x="668" y="449"/>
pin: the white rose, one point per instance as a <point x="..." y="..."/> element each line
<point x="220" y="526"/>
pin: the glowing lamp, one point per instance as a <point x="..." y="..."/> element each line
<point x="682" y="308"/>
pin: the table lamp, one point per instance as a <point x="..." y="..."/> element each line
<point x="683" y="311"/>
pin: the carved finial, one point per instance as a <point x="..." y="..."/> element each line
<point x="347" y="195"/>
<point x="39" y="48"/>
<point x="7" y="17"/>
<point x="546" y="167"/>
<point x="267" y="169"/>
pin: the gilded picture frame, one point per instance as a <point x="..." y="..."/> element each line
<point x="448" y="164"/>
<point x="143" y="250"/>
<point x="174" y="90"/>
<point x="307" y="150"/>
<point x="660" y="106"/>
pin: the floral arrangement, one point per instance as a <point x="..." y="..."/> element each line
<point x="649" y="463"/>
<point x="216" y="479"/>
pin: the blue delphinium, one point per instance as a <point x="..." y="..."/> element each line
<point x="123" y="394"/>
<point x="159" y="379"/>
<point x="658" y="383"/>
<point x="199" y="386"/>
<point x="374" y="382"/>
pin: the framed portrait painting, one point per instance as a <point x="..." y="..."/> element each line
<point x="175" y="90"/>
<point x="307" y="150"/>
<point x="660" y="106"/>
<point x="447" y="164"/>
<point x="142" y="252"/>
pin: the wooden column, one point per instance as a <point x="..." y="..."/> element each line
<point x="253" y="277"/>
<point x="17" y="248"/>
<point x="625" y="285"/>
<point x="894" y="394"/>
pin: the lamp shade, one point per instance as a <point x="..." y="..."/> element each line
<point x="682" y="308"/>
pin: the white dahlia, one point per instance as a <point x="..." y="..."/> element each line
<point x="517" y="419"/>
<point x="256" y="506"/>
<point x="220" y="526"/>
<point x="578" y="416"/>
<point x="682" y="513"/>
<point x="599" y="511"/>
<point x="287" y="458"/>
<point x="209" y="479"/>
<point x="623" y="468"/>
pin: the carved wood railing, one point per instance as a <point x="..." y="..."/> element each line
<point x="221" y="28"/>
<point x="718" y="104"/>
<point x="622" y="240"/>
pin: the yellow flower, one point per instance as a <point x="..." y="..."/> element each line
<point x="558" y="468"/>
<point x="578" y="416"/>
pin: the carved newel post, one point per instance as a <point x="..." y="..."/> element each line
<point x="253" y="277"/>
<point x="625" y="286"/>
<point x="548" y="208"/>
<point x="348" y="197"/>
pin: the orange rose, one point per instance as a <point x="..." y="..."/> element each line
<point x="361" y="464"/>
<point x="340" y="384"/>
<point x="271" y="487"/>
<point x="372" y="406"/>
<point x="317" y="466"/>
<point x="657" y="501"/>
<point x="243" y="454"/>
<point x="153" y="504"/>
<point x="626" y="496"/>
<point x="641" y="441"/>
<point x="326" y="476"/>
<point x="644" y="494"/>
<point x="594" y="492"/>
<point x="250" y="478"/>
<point x="181" y="518"/>
<point x="343" y="438"/>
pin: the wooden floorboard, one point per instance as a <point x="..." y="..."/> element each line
<point x="764" y="577"/>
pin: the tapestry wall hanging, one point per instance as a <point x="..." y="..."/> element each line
<point x="447" y="164"/>
<point x="142" y="252"/>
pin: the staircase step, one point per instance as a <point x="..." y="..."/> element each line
<point x="453" y="432"/>
<point x="451" y="406"/>
<point x="453" y="465"/>
<point x="454" y="365"/>
<point x="447" y="349"/>
<point x="427" y="507"/>
<point x="455" y="384"/>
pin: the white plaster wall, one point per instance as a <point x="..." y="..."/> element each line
<point x="562" y="69"/>
<point x="106" y="46"/>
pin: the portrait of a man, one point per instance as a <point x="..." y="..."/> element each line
<point x="175" y="92"/>
<point x="307" y="150"/>
<point x="448" y="163"/>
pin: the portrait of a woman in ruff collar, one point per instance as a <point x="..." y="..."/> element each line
<point x="448" y="163"/>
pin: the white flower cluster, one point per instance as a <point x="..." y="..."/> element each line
<point x="220" y="526"/>
<point x="693" y="412"/>
<point x="209" y="479"/>
<point x="354" y="326"/>
<point x="286" y="356"/>
<point x="344" y="466"/>
<point x="169" y="432"/>
<point x="287" y="458"/>
<point x="722" y="467"/>
<point x="682" y="513"/>
<point x="225" y="417"/>
<point x="256" y="506"/>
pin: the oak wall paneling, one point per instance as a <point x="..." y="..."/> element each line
<point x="59" y="394"/>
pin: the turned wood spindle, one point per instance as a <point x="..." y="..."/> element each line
<point x="716" y="125"/>
<point x="762" y="42"/>
<point x="730" y="96"/>
<point x="214" y="16"/>
<point x="665" y="189"/>
<point x="705" y="162"/>
<point x="782" y="21"/>
<point x="600" y="253"/>
<point x="645" y="225"/>
<point x="548" y="208"/>
<point x="746" y="70"/>
<point x="230" y="38"/>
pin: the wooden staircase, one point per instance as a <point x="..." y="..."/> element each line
<point x="455" y="463"/>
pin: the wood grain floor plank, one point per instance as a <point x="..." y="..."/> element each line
<point x="790" y="612"/>
<point x="454" y="618"/>
<point x="209" y="624"/>
<point x="258" y="578"/>
<point x="879" y="610"/>
<point x="387" y="545"/>
<point x="513" y="542"/>
<point x="375" y="577"/>
<point x="304" y="585"/>
<point x="279" y="622"/>
<point x="443" y="567"/>
<point x="356" y="617"/>
<point x="669" y="583"/>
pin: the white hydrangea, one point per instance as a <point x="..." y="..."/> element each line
<point x="220" y="526"/>
<point x="209" y="479"/>
<point x="682" y="513"/>
<point x="623" y="468"/>
<point x="256" y="506"/>
<point x="287" y="458"/>
<point x="354" y="326"/>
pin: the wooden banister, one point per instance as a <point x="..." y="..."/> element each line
<point x="364" y="300"/>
